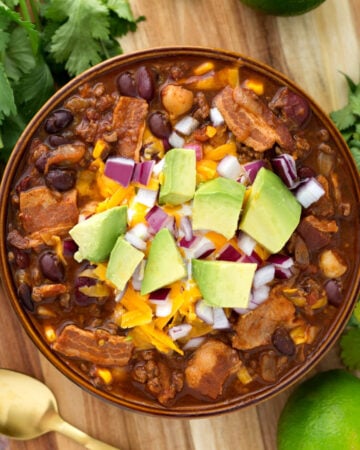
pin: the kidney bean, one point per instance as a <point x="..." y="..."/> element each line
<point x="24" y="293"/>
<point x="58" y="120"/>
<point x="51" y="267"/>
<point x="282" y="341"/>
<point x="333" y="292"/>
<point x="40" y="163"/>
<point x="126" y="84"/>
<point x="294" y="108"/>
<point x="60" y="179"/>
<point x="81" y="298"/>
<point x="306" y="172"/>
<point x="22" y="259"/>
<point x="24" y="184"/>
<point x="145" y="84"/>
<point x="55" y="140"/>
<point x="159" y="125"/>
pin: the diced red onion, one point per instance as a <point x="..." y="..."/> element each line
<point x="142" y="172"/>
<point x="229" y="253"/>
<point x="253" y="258"/>
<point x="246" y="243"/>
<point x="70" y="247"/>
<point x="309" y="192"/>
<point x="284" y="166"/>
<point x="282" y="264"/>
<point x="159" y="296"/>
<point x="134" y="240"/>
<point x="120" y="169"/>
<point x="201" y="247"/>
<point x="264" y="275"/>
<point x="220" y="320"/>
<point x="229" y="167"/>
<point x="197" y="148"/>
<point x="252" y="168"/>
<point x="158" y="167"/>
<point x="204" y="312"/>
<point x="138" y="275"/>
<point x="188" y="243"/>
<point x="146" y="197"/>
<point x="157" y="219"/>
<point x="282" y="274"/>
<point x="216" y="117"/>
<point x="164" y="309"/>
<point x="194" y="343"/>
<point x="186" y="125"/>
<point x="260" y="294"/>
<point x="176" y="141"/>
<point x="241" y="310"/>
<point x="186" y="228"/>
<point x="179" y="331"/>
<point x="141" y="231"/>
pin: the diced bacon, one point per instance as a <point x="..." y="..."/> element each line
<point x="211" y="365"/>
<point x="41" y="208"/>
<point x="251" y="121"/>
<point x="65" y="155"/>
<point x="129" y="123"/>
<point x="255" y="329"/>
<point x="15" y="239"/>
<point x="316" y="232"/>
<point x="45" y="291"/>
<point x="98" y="347"/>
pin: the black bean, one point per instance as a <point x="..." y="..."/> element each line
<point x="81" y="298"/>
<point x="305" y="172"/>
<point x="58" y="120"/>
<point x="55" y="140"/>
<point x="333" y="292"/>
<point x="40" y="163"/>
<point x="282" y="342"/>
<point x="60" y="179"/>
<point x="294" y="108"/>
<point x="24" y="293"/>
<point x="159" y="125"/>
<point x="145" y="84"/>
<point x="126" y="84"/>
<point x="51" y="267"/>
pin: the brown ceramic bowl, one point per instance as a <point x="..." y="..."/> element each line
<point x="198" y="407"/>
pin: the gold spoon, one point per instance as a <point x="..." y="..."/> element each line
<point x="28" y="409"/>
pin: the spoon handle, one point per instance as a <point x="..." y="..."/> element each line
<point x="65" y="428"/>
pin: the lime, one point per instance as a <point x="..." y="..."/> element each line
<point x="323" y="413"/>
<point x="283" y="7"/>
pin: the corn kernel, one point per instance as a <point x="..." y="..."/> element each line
<point x="50" y="333"/>
<point x="210" y="131"/>
<point x="105" y="375"/>
<point x="255" y="85"/>
<point x="204" y="68"/>
<point x="244" y="376"/>
<point x="298" y="335"/>
<point x="322" y="301"/>
<point x="99" y="148"/>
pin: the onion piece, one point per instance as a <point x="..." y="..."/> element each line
<point x="164" y="308"/>
<point x="142" y="172"/>
<point x="185" y="228"/>
<point x="134" y="240"/>
<point x="309" y="192"/>
<point x="216" y="117"/>
<point x="120" y="169"/>
<point x="252" y="168"/>
<point x="200" y="247"/>
<point x="284" y="166"/>
<point x="220" y="320"/>
<point x="204" y="312"/>
<point x="197" y="148"/>
<point x="159" y="296"/>
<point x="179" y="331"/>
<point x="229" y="253"/>
<point x="264" y="275"/>
<point x="138" y="275"/>
<point x="176" y="141"/>
<point x="229" y="167"/>
<point x="141" y="231"/>
<point x="260" y="294"/>
<point x="70" y="247"/>
<point x="158" y="167"/>
<point x="279" y="260"/>
<point x="157" y="219"/>
<point x="146" y="197"/>
<point x="246" y="243"/>
<point x="186" y="125"/>
<point x="253" y="258"/>
<point x="194" y="343"/>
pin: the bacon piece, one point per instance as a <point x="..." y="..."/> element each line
<point x="41" y="208"/>
<point x="255" y="329"/>
<point x="212" y="363"/>
<point x="65" y="155"/>
<point x="251" y="121"/>
<point x="44" y="291"/>
<point x="129" y="123"/>
<point x="15" y="239"/>
<point x="316" y="232"/>
<point x="98" y="347"/>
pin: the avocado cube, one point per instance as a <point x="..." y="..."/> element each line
<point x="96" y="236"/>
<point x="217" y="205"/>
<point x="224" y="284"/>
<point x="179" y="176"/>
<point x="271" y="213"/>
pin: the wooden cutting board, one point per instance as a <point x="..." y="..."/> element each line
<point x="313" y="50"/>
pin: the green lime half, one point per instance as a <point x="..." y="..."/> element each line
<point x="283" y="7"/>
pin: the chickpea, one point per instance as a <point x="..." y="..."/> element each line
<point x="176" y="100"/>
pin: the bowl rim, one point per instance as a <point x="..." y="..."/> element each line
<point x="206" y="409"/>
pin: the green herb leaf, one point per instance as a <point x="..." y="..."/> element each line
<point x="343" y="118"/>
<point x="350" y="348"/>
<point x="7" y="101"/>
<point x="19" y="58"/>
<point x="121" y="8"/>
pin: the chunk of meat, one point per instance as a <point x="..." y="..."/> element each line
<point x="210" y="366"/>
<point x="98" y="347"/>
<point x="316" y="232"/>
<point x="41" y="208"/>
<point x="65" y="155"/>
<point x="45" y="291"/>
<point x="129" y="123"/>
<point x="15" y="239"/>
<point x="251" y="121"/>
<point x="256" y="328"/>
<point x="325" y="206"/>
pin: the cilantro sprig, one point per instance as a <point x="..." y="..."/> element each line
<point x="43" y="43"/>
<point x="347" y="120"/>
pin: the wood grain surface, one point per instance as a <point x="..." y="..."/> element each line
<point x="313" y="50"/>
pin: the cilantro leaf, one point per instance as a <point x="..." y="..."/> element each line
<point x="76" y="42"/>
<point x="19" y="58"/>
<point x="7" y="101"/>
<point x="343" y="118"/>
<point x="350" y="348"/>
<point x="121" y="8"/>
